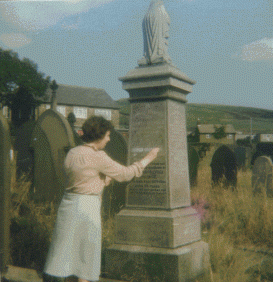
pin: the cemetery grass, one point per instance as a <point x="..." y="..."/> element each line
<point x="235" y="224"/>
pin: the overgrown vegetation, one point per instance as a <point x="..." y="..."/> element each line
<point x="237" y="225"/>
<point x="22" y="86"/>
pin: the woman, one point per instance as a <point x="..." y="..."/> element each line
<point x="76" y="241"/>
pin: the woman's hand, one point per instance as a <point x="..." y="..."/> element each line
<point x="107" y="180"/>
<point x="150" y="157"/>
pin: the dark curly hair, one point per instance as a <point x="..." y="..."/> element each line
<point x="95" y="128"/>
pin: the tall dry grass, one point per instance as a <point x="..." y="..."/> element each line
<point x="31" y="226"/>
<point x="234" y="223"/>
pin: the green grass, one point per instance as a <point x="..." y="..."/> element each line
<point x="238" y="116"/>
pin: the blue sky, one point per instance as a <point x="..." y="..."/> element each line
<point x="225" y="45"/>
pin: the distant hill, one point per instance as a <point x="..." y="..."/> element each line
<point x="262" y="120"/>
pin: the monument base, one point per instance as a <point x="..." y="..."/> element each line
<point x="124" y="262"/>
<point x="155" y="228"/>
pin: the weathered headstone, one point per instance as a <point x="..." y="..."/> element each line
<point x="262" y="176"/>
<point x="24" y="157"/>
<point x="5" y="179"/>
<point x="158" y="228"/>
<point x="51" y="139"/>
<point x="224" y="167"/>
<point x="262" y="149"/>
<point x="243" y="157"/>
<point x="114" y="195"/>
<point x="193" y="165"/>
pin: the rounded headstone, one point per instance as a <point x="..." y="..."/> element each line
<point x="114" y="194"/>
<point x="263" y="149"/>
<point x="262" y="175"/>
<point x="224" y="167"/>
<point x="51" y="139"/>
<point x="24" y="157"/>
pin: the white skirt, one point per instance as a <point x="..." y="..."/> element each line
<point x="76" y="241"/>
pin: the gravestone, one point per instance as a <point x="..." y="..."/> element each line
<point x="51" y="139"/>
<point x="193" y="165"/>
<point x="262" y="176"/>
<point x="24" y="157"/>
<point x="243" y="157"/>
<point x="158" y="228"/>
<point x="263" y="149"/>
<point x="5" y="179"/>
<point x="114" y="195"/>
<point x="224" y="167"/>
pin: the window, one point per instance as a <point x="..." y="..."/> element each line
<point x="80" y="112"/>
<point x="229" y="136"/>
<point x="61" y="109"/>
<point x="47" y="106"/>
<point x="107" y="114"/>
<point x="208" y="136"/>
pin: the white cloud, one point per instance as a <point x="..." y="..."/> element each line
<point x="34" y="15"/>
<point x="14" y="40"/>
<point x="259" y="50"/>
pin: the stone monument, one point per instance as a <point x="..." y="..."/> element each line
<point x="262" y="180"/>
<point x="155" y="26"/>
<point x="158" y="227"/>
<point x="5" y="178"/>
<point x="51" y="139"/>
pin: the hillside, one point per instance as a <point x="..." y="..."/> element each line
<point x="262" y="120"/>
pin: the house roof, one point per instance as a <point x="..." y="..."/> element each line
<point x="82" y="96"/>
<point x="210" y="128"/>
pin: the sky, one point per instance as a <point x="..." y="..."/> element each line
<point x="225" y="45"/>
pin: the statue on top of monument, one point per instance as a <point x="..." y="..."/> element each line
<point x="155" y="26"/>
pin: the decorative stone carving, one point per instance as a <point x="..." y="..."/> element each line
<point x="155" y="28"/>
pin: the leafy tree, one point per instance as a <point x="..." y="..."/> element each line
<point x="22" y="86"/>
<point x="220" y="132"/>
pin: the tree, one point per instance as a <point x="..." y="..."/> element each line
<point x="22" y="86"/>
<point x="220" y="132"/>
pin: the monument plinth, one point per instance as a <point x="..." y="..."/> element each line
<point x="158" y="223"/>
<point x="158" y="229"/>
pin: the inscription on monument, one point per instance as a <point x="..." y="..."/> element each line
<point x="153" y="180"/>
<point x="147" y="130"/>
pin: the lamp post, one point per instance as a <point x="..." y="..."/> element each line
<point x="54" y="86"/>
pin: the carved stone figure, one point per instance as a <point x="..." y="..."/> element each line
<point x="155" y="28"/>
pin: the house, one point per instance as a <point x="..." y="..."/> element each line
<point x="206" y="133"/>
<point x="83" y="102"/>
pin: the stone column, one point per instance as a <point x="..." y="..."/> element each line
<point x="158" y="228"/>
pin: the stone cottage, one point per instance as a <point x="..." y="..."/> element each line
<point x="206" y="133"/>
<point x="83" y="102"/>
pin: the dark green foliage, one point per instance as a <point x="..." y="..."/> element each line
<point x="22" y="86"/>
<point x="71" y="119"/>
<point x="30" y="240"/>
<point x="219" y="132"/>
